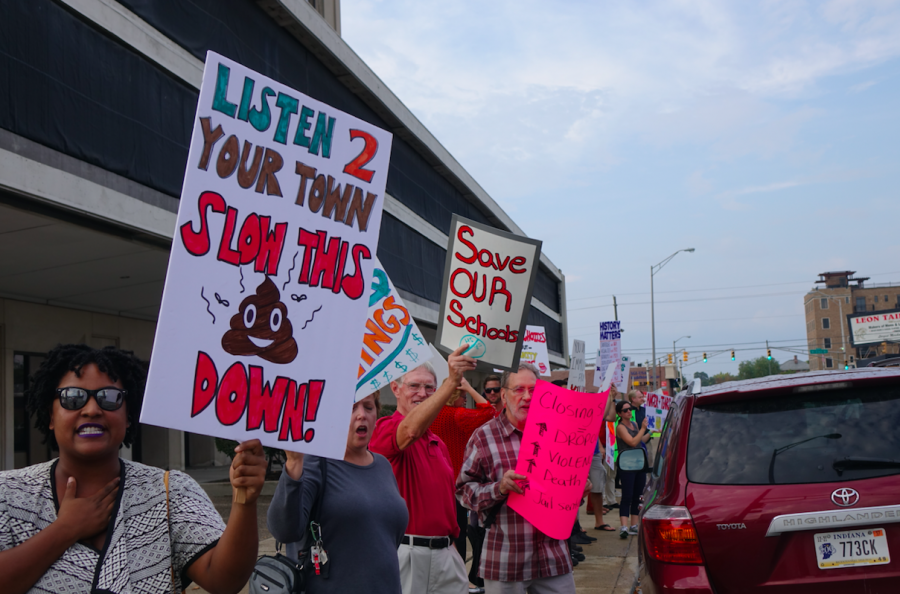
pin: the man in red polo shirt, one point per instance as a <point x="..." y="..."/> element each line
<point x="424" y="472"/>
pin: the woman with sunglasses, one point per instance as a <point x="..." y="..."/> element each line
<point x="630" y="437"/>
<point x="91" y="521"/>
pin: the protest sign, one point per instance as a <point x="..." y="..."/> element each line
<point x="576" y="368"/>
<point x="623" y="374"/>
<point x="488" y="280"/>
<point x="439" y="364"/>
<point x="266" y="292"/>
<point x="610" y="350"/>
<point x="534" y="349"/>
<point x="657" y="407"/>
<point x="610" y="444"/>
<point x="555" y="455"/>
<point x="392" y="343"/>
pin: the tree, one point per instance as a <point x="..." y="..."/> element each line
<point x="721" y="378"/>
<point x="759" y="367"/>
<point x="704" y="378"/>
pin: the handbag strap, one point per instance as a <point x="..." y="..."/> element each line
<point x="316" y="511"/>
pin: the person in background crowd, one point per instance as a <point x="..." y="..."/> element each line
<point x="421" y="463"/>
<point x="629" y="437"/>
<point x="492" y="392"/>
<point x="362" y="514"/>
<point x="455" y="425"/>
<point x="609" y="487"/>
<point x="517" y="557"/>
<point x="90" y="521"/>
<point x="598" y="480"/>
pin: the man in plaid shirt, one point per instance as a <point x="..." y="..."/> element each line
<point x="517" y="557"/>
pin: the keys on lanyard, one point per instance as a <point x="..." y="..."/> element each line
<point x="317" y="551"/>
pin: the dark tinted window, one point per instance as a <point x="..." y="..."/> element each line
<point x="799" y="437"/>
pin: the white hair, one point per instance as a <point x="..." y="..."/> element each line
<point x="426" y="366"/>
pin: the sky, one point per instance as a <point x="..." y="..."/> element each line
<point x="766" y="135"/>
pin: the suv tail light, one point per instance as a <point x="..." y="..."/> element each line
<point x="670" y="536"/>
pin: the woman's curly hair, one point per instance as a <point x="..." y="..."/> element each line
<point x="119" y="365"/>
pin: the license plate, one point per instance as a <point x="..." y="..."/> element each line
<point x="850" y="548"/>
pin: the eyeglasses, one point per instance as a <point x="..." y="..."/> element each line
<point x="429" y="388"/>
<point x="627" y="410"/>
<point x="76" y="398"/>
<point x="491" y="390"/>
<point x="520" y="390"/>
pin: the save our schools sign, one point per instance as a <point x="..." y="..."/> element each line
<point x="488" y="281"/>
<point x="392" y="343"/>
<point x="267" y="289"/>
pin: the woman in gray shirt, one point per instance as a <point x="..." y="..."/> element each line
<point x="362" y="516"/>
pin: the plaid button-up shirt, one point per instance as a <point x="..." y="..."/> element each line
<point x="514" y="550"/>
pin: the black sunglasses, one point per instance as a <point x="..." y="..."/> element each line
<point x="491" y="390"/>
<point x="76" y="398"/>
<point x="627" y="409"/>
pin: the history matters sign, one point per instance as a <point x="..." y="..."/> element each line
<point x="874" y="327"/>
<point x="269" y="276"/>
<point x="488" y="280"/>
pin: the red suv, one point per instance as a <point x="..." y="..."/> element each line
<point x="780" y="484"/>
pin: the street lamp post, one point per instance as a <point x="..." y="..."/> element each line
<point x="675" y="358"/>
<point x="653" y="271"/>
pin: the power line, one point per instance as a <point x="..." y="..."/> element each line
<point x="689" y="300"/>
<point x="596" y="325"/>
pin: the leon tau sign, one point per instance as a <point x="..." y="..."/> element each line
<point x="488" y="280"/>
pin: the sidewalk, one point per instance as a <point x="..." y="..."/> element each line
<point x="608" y="568"/>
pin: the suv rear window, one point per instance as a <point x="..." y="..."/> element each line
<point x="816" y="437"/>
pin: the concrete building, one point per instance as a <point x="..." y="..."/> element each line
<point x="826" y="309"/>
<point x="98" y="105"/>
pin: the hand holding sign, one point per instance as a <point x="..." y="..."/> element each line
<point x="510" y="482"/>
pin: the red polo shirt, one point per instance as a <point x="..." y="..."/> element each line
<point x="424" y="475"/>
<point x="455" y="425"/>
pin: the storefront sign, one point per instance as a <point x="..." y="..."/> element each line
<point x="874" y="327"/>
<point x="268" y="282"/>
<point x="489" y="278"/>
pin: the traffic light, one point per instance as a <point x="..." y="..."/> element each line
<point x="670" y="359"/>
<point x="769" y="354"/>
<point x="846" y="365"/>
<point x="684" y="356"/>
<point x="704" y="357"/>
<point x="732" y="355"/>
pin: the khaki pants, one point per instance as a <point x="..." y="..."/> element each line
<point x="609" y="490"/>
<point x="432" y="571"/>
<point x="558" y="584"/>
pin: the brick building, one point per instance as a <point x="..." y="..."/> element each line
<point x="826" y="309"/>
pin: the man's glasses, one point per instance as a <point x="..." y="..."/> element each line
<point x="429" y="388"/>
<point x="520" y="390"/>
<point x="492" y="390"/>
<point x="76" y="398"/>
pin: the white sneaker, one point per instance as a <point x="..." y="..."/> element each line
<point x="633" y="530"/>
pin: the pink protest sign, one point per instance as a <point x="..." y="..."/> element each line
<point x="557" y="446"/>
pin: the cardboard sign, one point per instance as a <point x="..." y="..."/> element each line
<point x="610" y="444"/>
<point x="489" y="278"/>
<point x="268" y="282"/>
<point x="555" y="455"/>
<point x="392" y="343"/>
<point x="439" y="364"/>
<point x="622" y="376"/>
<point x="657" y="407"/>
<point x="576" y="369"/>
<point x="534" y="349"/>
<point x="610" y="350"/>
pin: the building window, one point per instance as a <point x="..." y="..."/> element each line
<point x="885" y="298"/>
<point x="826" y="323"/>
<point x="876" y="298"/>
<point x="860" y="304"/>
<point x="827" y="343"/>
<point x="847" y="300"/>
<point x="829" y="363"/>
<point x="824" y="303"/>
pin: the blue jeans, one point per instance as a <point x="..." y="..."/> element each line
<point x="632" y="486"/>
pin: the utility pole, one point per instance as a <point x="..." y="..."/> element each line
<point x="615" y="309"/>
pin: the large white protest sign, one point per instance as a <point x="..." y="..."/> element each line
<point x="576" y="368"/>
<point x="266" y="293"/>
<point x="392" y="343"/>
<point x="610" y="351"/>
<point x="657" y="407"/>
<point x="534" y="349"/>
<point x="488" y="280"/>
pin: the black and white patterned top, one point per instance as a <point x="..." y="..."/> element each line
<point x="141" y="546"/>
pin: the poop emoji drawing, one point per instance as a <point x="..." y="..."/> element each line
<point x="261" y="327"/>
